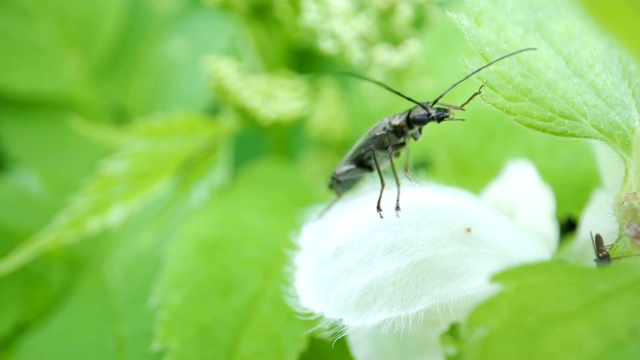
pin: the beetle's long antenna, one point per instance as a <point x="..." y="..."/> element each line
<point x="362" y="77"/>
<point x="434" y="102"/>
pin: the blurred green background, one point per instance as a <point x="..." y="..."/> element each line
<point x="157" y="156"/>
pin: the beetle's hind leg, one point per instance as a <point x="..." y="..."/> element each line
<point x="328" y="207"/>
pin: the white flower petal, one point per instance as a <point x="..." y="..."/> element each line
<point x="521" y="194"/>
<point x="360" y="270"/>
<point x="422" y="342"/>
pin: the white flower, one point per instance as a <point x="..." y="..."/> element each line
<point x="395" y="284"/>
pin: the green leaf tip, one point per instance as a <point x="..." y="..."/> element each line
<point x="157" y="156"/>
<point x="578" y="84"/>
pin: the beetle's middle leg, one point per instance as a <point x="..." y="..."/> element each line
<point x="395" y="174"/>
<point x="382" y="183"/>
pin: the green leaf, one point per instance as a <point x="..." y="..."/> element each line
<point x="52" y="55"/>
<point x="578" y="84"/>
<point x="322" y="349"/>
<point x="558" y="311"/>
<point x="26" y="297"/>
<point x="105" y="310"/>
<point x="110" y="59"/>
<point x="32" y="188"/>
<point x="222" y="291"/>
<point x="160" y="153"/>
<point x="179" y="79"/>
<point x="46" y="162"/>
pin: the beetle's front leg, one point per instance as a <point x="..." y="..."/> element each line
<point x="479" y="92"/>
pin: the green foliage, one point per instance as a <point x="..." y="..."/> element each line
<point x="325" y="349"/>
<point x="239" y="244"/>
<point x="105" y="310"/>
<point x="156" y="154"/>
<point x="156" y="158"/>
<point x="26" y="296"/>
<point x="557" y="311"/>
<point x="52" y="56"/>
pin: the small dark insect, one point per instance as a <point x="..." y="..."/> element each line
<point x="384" y="141"/>
<point x="603" y="258"/>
